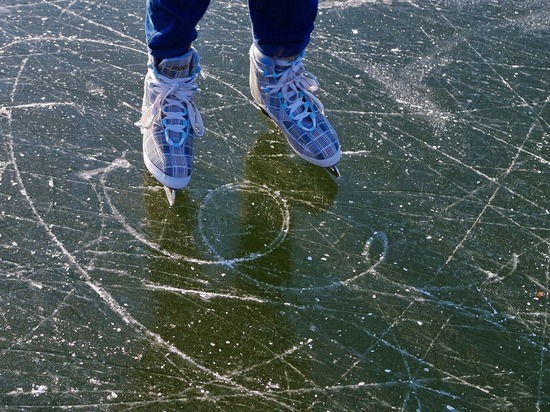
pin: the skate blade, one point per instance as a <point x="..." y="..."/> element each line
<point x="333" y="170"/>
<point x="264" y="111"/>
<point x="170" y="195"/>
<point x="261" y="108"/>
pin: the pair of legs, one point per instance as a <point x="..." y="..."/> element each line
<point x="279" y="84"/>
<point x="281" y="28"/>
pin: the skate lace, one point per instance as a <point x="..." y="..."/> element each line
<point x="295" y="86"/>
<point x="174" y="106"/>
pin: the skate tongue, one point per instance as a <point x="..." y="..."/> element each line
<point x="284" y="63"/>
<point x="177" y="67"/>
<point x="294" y="94"/>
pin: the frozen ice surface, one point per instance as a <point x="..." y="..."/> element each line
<point x="417" y="281"/>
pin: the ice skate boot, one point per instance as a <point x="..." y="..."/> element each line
<point x="170" y="120"/>
<point x="283" y="89"/>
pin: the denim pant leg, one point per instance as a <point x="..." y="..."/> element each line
<point x="282" y="28"/>
<point x="170" y="25"/>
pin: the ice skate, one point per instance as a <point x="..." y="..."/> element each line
<point x="283" y="89"/>
<point x="170" y="120"/>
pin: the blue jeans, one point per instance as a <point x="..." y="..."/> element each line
<point x="281" y="28"/>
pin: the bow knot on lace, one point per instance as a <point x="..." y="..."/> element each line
<point x="295" y="86"/>
<point x="175" y="107"/>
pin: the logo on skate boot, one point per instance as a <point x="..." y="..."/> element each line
<point x="179" y="68"/>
